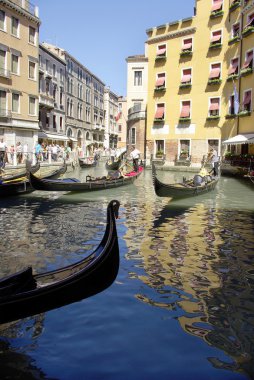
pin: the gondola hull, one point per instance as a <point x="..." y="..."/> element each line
<point x="21" y="175"/>
<point x="72" y="184"/>
<point x="25" y="294"/>
<point x="181" y="190"/>
<point x="113" y="165"/>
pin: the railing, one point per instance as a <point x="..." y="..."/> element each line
<point x="5" y="113"/>
<point x="5" y="73"/>
<point x="137" y="112"/>
<point x="47" y="101"/>
<point x="15" y="159"/>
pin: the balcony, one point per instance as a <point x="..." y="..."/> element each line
<point x="5" y="114"/>
<point x="234" y="5"/>
<point x="216" y="14"/>
<point x="4" y="73"/>
<point x="137" y="112"/>
<point x="46" y="101"/>
<point x="29" y="7"/>
<point x="247" y="31"/>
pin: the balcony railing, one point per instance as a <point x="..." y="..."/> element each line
<point x="5" y="113"/>
<point x="46" y="101"/>
<point x="4" y="73"/>
<point x="137" y="112"/>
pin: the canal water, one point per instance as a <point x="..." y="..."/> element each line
<point x="182" y="304"/>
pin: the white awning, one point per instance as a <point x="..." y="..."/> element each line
<point x="72" y="139"/>
<point x="49" y="136"/>
<point x="241" y="139"/>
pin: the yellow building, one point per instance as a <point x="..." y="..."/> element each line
<point x="19" y="36"/>
<point x="196" y="68"/>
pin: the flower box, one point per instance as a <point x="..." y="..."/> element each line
<point x="244" y="113"/>
<point x="160" y="58"/>
<point x="246" y="71"/>
<point x="233" y="40"/>
<point x="215" y="45"/>
<point x="185" y="85"/>
<point x="230" y="116"/>
<point x="234" y="5"/>
<point x="248" y="30"/>
<point x="184" y="119"/>
<point x="158" y="121"/>
<point x="185" y="53"/>
<point x="232" y="77"/>
<point x="161" y="88"/>
<point x="215" y="117"/>
<point x="215" y="14"/>
<point x="214" y="81"/>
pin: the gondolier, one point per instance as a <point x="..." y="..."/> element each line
<point x="135" y="155"/>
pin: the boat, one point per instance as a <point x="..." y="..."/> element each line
<point x="115" y="165"/>
<point x="22" y="185"/>
<point x="200" y="184"/>
<point x="21" y="175"/>
<point x="91" y="184"/>
<point x="87" y="162"/>
<point x="24" y="293"/>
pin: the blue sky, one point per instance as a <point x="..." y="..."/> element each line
<point x="102" y="34"/>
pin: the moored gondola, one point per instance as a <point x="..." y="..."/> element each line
<point x="91" y="184"/>
<point x="199" y="184"/>
<point x="22" y="174"/>
<point x="22" y="185"/>
<point x="24" y="294"/>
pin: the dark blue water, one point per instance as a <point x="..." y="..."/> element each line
<point x="181" y="306"/>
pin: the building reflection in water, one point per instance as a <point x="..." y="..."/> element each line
<point x="198" y="264"/>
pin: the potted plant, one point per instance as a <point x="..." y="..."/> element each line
<point x="159" y="153"/>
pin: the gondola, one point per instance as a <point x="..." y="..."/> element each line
<point x="24" y="294"/>
<point x="91" y="184"/>
<point x="197" y="185"/>
<point x="113" y="165"/>
<point x="22" y="185"/>
<point x="22" y="174"/>
<point x="87" y="162"/>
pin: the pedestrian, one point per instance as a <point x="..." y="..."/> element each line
<point x="38" y="150"/>
<point x="3" y="149"/>
<point x="19" y="150"/>
<point x="12" y="150"/>
<point x="135" y="155"/>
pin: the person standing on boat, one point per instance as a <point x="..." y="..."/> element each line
<point x="3" y="149"/>
<point x="135" y="155"/>
<point x="214" y="161"/>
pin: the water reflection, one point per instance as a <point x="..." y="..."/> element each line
<point x="198" y="265"/>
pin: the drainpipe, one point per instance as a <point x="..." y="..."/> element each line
<point x="240" y="65"/>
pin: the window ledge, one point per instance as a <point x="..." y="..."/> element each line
<point x="234" y="6"/>
<point x="234" y="40"/>
<point x="185" y="85"/>
<point x="210" y="118"/>
<point x="244" y="113"/>
<point x="186" y="53"/>
<point x="232" y="77"/>
<point x="158" y="121"/>
<point x="162" y="88"/>
<point x="184" y="119"/>
<point x="230" y="116"/>
<point x="247" y="71"/>
<point x="215" y="46"/>
<point x="160" y="58"/>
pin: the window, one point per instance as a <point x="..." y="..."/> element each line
<point x="247" y="101"/>
<point x="216" y="37"/>
<point x="3" y="103"/>
<point x="234" y="67"/>
<point x="32" y="35"/>
<point x="15" y="26"/>
<point x="217" y="5"/>
<point x="14" y="64"/>
<point x="133" y="136"/>
<point x="215" y="71"/>
<point x="54" y="92"/>
<point x="61" y="122"/>
<point x="235" y="30"/>
<point x="54" y="121"/>
<point x="187" y="44"/>
<point x="32" y="103"/>
<point x="160" y="81"/>
<point x="47" y="87"/>
<point x="119" y="128"/>
<point x="214" y="107"/>
<point x="31" y="70"/>
<point x="248" y="63"/>
<point x="61" y="96"/>
<point x="250" y="20"/>
<point x="2" y="62"/>
<point x="159" y="146"/>
<point x="161" y="51"/>
<point x="186" y="76"/>
<point x="2" y="19"/>
<point x="15" y="102"/>
<point x="231" y="109"/>
<point x="185" y="109"/>
<point x="184" y="146"/>
<point x="159" y="114"/>
<point x="61" y="74"/>
<point x="137" y="78"/>
<point x="54" y="70"/>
